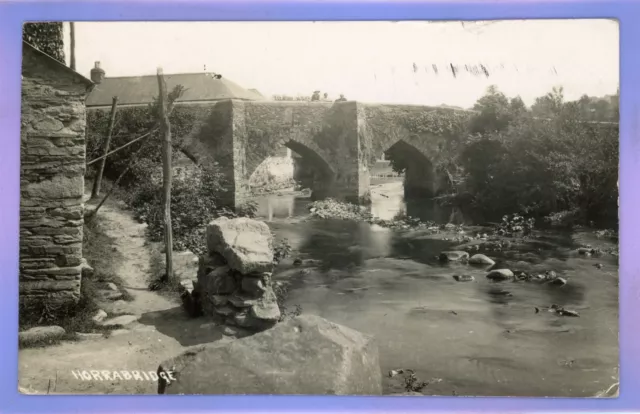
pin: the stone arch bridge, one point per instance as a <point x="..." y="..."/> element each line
<point x="340" y="140"/>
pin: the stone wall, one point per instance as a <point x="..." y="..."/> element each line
<point x="52" y="150"/>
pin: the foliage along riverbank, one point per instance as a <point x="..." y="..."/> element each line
<point x="514" y="228"/>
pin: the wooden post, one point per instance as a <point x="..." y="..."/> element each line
<point x="165" y="135"/>
<point x="132" y="161"/>
<point x="72" y="35"/>
<point x="97" y="183"/>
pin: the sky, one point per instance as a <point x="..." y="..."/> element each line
<point x="382" y="62"/>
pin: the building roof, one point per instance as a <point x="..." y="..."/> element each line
<point x="257" y="92"/>
<point x="141" y="90"/>
<point x="29" y="48"/>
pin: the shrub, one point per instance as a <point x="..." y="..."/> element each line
<point x="282" y="249"/>
<point x="194" y="202"/>
<point x="281" y="290"/>
<point x="131" y="123"/>
<point x="515" y="224"/>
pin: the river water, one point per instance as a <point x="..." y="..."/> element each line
<point x="470" y="339"/>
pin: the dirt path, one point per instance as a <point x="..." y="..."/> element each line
<point x="157" y="329"/>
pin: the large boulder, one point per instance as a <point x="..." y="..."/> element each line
<point x="246" y="244"/>
<point x="454" y="256"/>
<point x="304" y="355"/>
<point x="40" y="334"/>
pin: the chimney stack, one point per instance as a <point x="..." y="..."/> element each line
<point x="97" y="73"/>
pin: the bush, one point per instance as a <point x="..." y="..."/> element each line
<point x="515" y="224"/>
<point x="565" y="218"/>
<point x="195" y="201"/>
<point x="281" y="290"/>
<point x="281" y="250"/>
<point x="131" y="123"/>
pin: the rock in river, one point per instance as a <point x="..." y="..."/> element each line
<point x="500" y="274"/>
<point x="559" y="281"/>
<point x="246" y="244"/>
<point x="481" y="259"/>
<point x="463" y="278"/>
<point x="453" y="256"/>
<point x="303" y="355"/>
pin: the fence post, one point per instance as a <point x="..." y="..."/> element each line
<point x="165" y="134"/>
<point x="97" y="183"/>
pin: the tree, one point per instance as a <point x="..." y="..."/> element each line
<point x="549" y="105"/>
<point x="46" y="37"/>
<point x="495" y="112"/>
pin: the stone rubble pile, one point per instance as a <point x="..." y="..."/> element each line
<point x="234" y="277"/>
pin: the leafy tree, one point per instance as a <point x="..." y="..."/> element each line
<point x="599" y="109"/>
<point x="46" y="37"/>
<point x="495" y="112"/>
<point x="549" y="105"/>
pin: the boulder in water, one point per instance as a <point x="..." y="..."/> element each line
<point x="463" y="278"/>
<point x="500" y="274"/>
<point x="481" y="259"/>
<point x="454" y="256"/>
<point x="559" y="281"/>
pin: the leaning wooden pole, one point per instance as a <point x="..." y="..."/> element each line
<point x="97" y="183"/>
<point x="165" y="134"/>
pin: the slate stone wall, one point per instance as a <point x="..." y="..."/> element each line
<point x="52" y="151"/>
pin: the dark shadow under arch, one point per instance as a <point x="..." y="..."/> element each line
<point x="310" y="169"/>
<point x="420" y="179"/>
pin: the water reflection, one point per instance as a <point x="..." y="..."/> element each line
<point x="387" y="202"/>
<point x="280" y="206"/>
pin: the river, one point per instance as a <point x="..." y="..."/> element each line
<point x="469" y="339"/>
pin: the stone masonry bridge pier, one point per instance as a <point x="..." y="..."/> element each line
<point x="340" y="140"/>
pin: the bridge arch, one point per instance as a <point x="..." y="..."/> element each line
<point x="420" y="176"/>
<point x="311" y="166"/>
